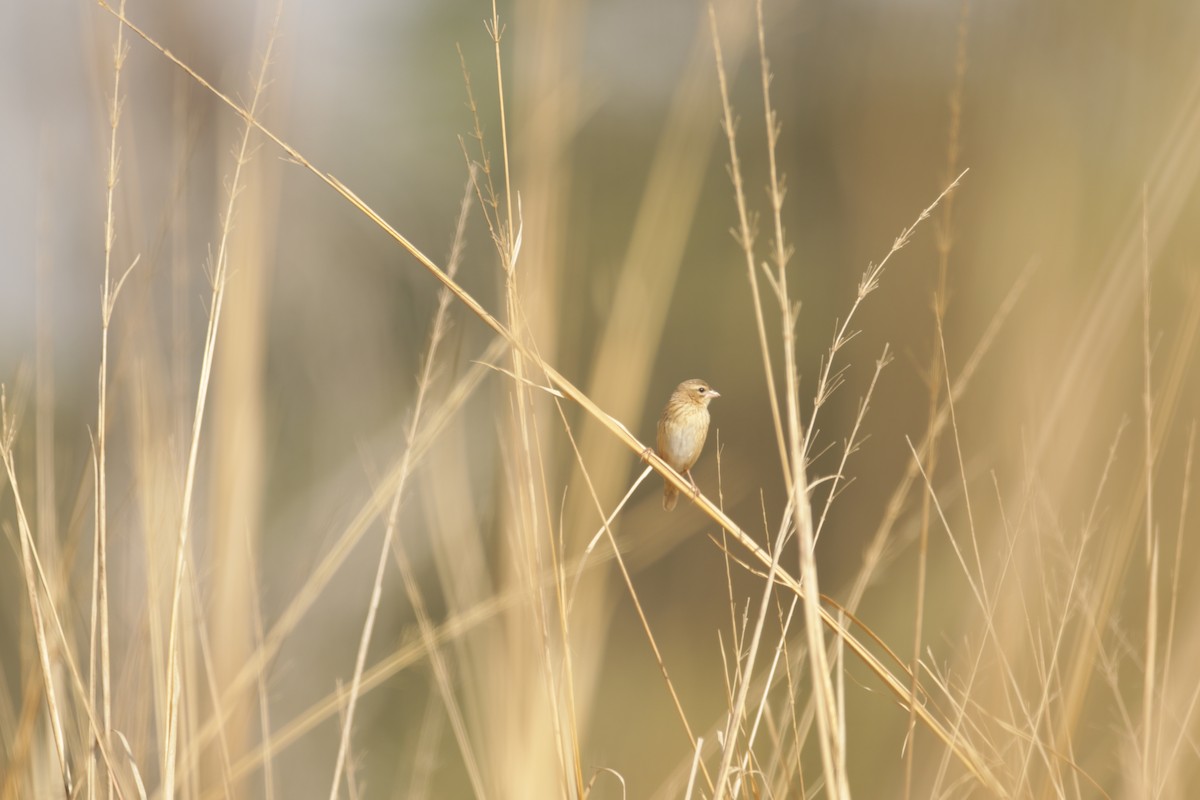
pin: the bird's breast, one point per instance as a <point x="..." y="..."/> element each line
<point x="682" y="438"/>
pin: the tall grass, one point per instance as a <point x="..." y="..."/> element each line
<point x="943" y="566"/>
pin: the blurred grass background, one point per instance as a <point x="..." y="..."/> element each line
<point x="630" y="282"/>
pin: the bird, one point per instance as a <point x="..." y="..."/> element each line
<point x="682" y="429"/>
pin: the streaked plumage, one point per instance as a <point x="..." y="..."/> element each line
<point x="682" y="429"/>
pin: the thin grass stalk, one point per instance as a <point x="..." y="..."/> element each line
<point x="219" y="278"/>
<point x="100" y="634"/>
<point x="729" y="681"/>
<point x="496" y="31"/>
<point x="737" y="632"/>
<point x="599" y="535"/>
<point x="745" y="236"/>
<point x="264" y="705"/>
<point x="35" y="576"/>
<point x="1116" y="558"/>
<point x="832" y="728"/>
<point x="1041" y="713"/>
<point x="485" y="190"/>
<point x="797" y="484"/>
<point x="375" y="676"/>
<point x="623" y="367"/>
<point x="351" y="781"/>
<point x="697" y="759"/>
<point x="1052" y="689"/>
<point x="745" y="669"/>
<point x="616" y="428"/>
<point x="571" y="773"/>
<point x="875" y="551"/>
<point x="725" y="557"/>
<point x="979" y="581"/>
<point x="831" y="735"/>
<point x="323" y="573"/>
<point x="944" y="243"/>
<point x="1168" y="646"/>
<point x="213" y="691"/>
<point x="828" y="380"/>
<point x="407" y="656"/>
<point x="965" y="724"/>
<point x="21" y="733"/>
<point x="28" y="558"/>
<point x="962" y="470"/>
<point x="390" y="543"/>
<point x="987" y="610"/>
<point x="1172" y="171"/>
<point x="572" y="770"/>
<point x="150" y="462"/>
<point x="1170" y="393"/>
<point x="568" y="388"/>
<point x="930" y="455"/>
<point x="459" y="625"/>
<point x="189" y="689"/>
<point x="528" y="525"/>
<point x="17" y="742"/>
<point x="769" y="680"/>
<point x="1151" y="654"/>
<point x="838" y="477"/>
<point x="425" y="758"/>
<point x="637" y="604"/>
<point x="786" y="756"/>
<point x="437" y="660"/>
<point x="1174" y="167"/>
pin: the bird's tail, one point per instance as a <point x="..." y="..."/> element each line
<point x="670" y="496"/>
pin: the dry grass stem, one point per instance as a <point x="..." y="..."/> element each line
<point x="192" y="613"/>
<point x="391" y="543"/>
<point x="553" y="375"/>
<point x="220" y="273"/>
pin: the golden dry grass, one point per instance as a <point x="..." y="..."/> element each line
<point x="328" y="516"/>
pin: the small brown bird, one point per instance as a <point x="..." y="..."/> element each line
<point x="682" y="429"/>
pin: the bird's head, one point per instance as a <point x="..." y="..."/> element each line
<point x="697" y="391"/>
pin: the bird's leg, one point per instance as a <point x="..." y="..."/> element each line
<point x="695" y="488"/>
<point x="646" y="454"/>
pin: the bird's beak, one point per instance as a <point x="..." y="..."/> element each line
<point x="713" y="393"/>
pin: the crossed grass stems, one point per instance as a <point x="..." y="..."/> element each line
<point x="795" y="449"/>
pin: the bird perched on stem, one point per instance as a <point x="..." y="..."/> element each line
<point x="682" y="429"/>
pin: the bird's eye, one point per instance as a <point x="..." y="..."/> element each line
<point x="702" y="390"/>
